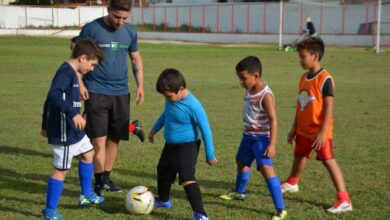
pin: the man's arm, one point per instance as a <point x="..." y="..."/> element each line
<point x="138" y="71"/>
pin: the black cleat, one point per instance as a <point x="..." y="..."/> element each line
<point x="111" y="186"/>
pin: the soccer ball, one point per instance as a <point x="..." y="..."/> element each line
<point x="139" y="200"/>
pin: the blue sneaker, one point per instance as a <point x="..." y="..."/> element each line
<point x="91" y="198"/>
<point x="160" y="204"/>
<point x="199" y="216"/>
<point x="52" y="214"/>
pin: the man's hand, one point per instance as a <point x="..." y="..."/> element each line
<point x="140" y="96"/>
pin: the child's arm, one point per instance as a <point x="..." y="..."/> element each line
<point x="79" y="122"/>
<point x="319" y="140"/>
<point x="83" y="90"/>
<point x="156" y="127"/>
<point x="291" y="135"/>
<point x="59" y="85"/>
<point x="269" y="108"/>
<point x="205" y="130"/>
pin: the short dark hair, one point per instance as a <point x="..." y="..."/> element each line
<point x="170" y="80"/>
<point x="251" y="64"/>
<point x="120" y="5"/>
<point x="313" y="45"/>
<point x="89" y="48"/>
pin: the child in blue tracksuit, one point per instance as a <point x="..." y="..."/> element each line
<point x="63" y="125"/>
<point x="183" y="115"/>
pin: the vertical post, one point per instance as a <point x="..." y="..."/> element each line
<point x="265" y="18"/>
<point x="154" y="19"/>
<point x="232" y="18"/>
<point x="247" y="19"/>
<point x="132" y="15"/>
<point x="217" y="18"/>
<point x="366" y="21"/>
<point x="25" y="15"/>
<point x="378" y="27"/>
<point x="165" y="19"/>
<point x="190" y="18"/>
<point x="177" y="19"/>
<point x="143" y="17"/>
<point x="203" y="19"/>
<point x="343" y="21"/>
<point x="301" y="18"/>
<point x="321" y="16"/>
<point x="280" y="23"/>
<point x="79" y="16"/>
<point x="52" y="14"/>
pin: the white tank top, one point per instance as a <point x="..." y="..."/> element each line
<point x="256" y="121"/>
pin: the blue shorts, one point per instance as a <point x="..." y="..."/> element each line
<point x="253" y="147"/>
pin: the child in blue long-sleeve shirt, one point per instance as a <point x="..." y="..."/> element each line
<point x="183" y="115"/>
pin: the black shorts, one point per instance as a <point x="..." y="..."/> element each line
<point x="178" y="158"/>
<point x="108" y="116"/>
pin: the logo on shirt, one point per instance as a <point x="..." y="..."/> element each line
<point x="304" y="99"/>
<point x="115" y="46"/>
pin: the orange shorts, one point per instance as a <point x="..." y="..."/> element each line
<point x="303" y="148"/>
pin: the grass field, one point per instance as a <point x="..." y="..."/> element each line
<point x="361" y="134"/>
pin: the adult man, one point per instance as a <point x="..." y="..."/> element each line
<point x="106" y="90"/>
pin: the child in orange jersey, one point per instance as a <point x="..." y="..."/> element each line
<point x="313" y="124"/>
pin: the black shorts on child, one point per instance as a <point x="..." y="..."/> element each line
<point x="178" y="158"/>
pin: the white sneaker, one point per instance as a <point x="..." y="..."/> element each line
<point x="287" y="187"/>
<point x="340" y="206"/>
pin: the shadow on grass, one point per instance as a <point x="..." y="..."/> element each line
<point x="27" y="182"/>
<point x="28" y="214"/>
<point x="324" y="206"/>
<point x="24" y="151"/>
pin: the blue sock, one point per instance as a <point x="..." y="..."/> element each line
<point x="241" y="181"/>
<point x="275" y="190"/>
<point x="53" y="194"/>
<point x="85" y="176"/>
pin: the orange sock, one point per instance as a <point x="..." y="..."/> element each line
<point x="131" y="127"/>
<point x="344" y="196"/>
<point x="292" y="180"/>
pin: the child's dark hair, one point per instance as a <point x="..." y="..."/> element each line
<point x="90" y="49"/>
<point x="313" y="45"/>
<point x="251" y="64"/>
<point x="170" y="80"/>
<point x="120" y="5"/>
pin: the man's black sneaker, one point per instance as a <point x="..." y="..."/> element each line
<point x="100" y="189"/>
<point x="139" y="131"/>
<point x="111" y="186"/>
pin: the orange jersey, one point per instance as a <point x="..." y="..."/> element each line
<point x="310" y="107"/>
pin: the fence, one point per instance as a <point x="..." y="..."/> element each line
<point x="250" y="18"/>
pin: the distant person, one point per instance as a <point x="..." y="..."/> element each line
<point x="259" y="135"/>
<point x="310" y="31"/>
<point x="313" y="125"/>
<point x="63" y="125"/>
<point x="183" y="115"/>
<point x="106" y="90"/>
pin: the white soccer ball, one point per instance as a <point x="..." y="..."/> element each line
<point x="139" y="200"/>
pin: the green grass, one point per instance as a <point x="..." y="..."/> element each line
<point x="361" y="139"/>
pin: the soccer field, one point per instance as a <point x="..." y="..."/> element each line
<point x="361" y="132"/>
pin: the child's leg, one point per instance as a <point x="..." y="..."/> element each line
<point x="86" y="172"/>
<point x="297" y="170"/>
<point x="166" y="174"/>
<point x="54" y="188"/>
<point x="337" y="179"/>
<point x="194" y="196"/>
<point x="242" y="178"/>
<point x="273" y="184"/>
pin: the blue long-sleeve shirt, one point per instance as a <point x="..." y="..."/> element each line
<point x="61" y="105"/>
<point x="181" y="121"/>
